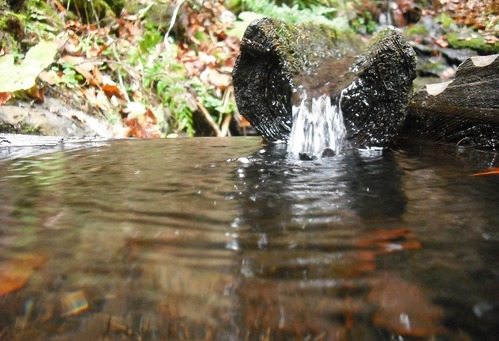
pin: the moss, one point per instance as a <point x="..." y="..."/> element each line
<point x="28" y="129"/>
<point x="11" y="32"/>
<point x="41" y="11"/>
<point x="3" y="22"/>
<point x="7" y="42"/>
<point x="302" y="47"/>
<point x="477" y="43"/>
<point x="445" y="20"/>
<point x="417" y="30"/>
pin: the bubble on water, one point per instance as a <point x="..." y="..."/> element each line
<point x="232" y="245"/>
<point x="263" y="241"/>
<point x="482" y="308"/>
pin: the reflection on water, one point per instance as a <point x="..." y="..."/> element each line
<point x="221" y="239"/>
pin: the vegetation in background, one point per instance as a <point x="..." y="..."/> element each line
<point x="150" y="78"/>
<point x="330" y="14"/>
<point x="158" y="68"/>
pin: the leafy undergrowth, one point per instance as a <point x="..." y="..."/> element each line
<point x="136" y="74"/>
<point x="163" y="68"/>
<point x="480" y="17"/>
<point x="479" y="14"/>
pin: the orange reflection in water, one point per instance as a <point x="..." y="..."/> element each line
<point x="490" y="171"/>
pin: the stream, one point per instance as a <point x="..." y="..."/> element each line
<point x="226" y="239"/>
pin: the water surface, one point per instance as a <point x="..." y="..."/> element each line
<point x="223" y="239"/>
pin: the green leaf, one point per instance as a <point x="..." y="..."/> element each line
<point x="41" y="55"/>
<point x="23" y="77"/>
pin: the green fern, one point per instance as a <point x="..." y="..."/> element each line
<point x="317" y="14"/>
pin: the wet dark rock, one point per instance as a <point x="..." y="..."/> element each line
<point x="464" y="111"/>
<point x="279" y="61"/>
<point x="435" y="61"/>
<point x="374" y="105"/>
<point x="456" y="57"/>
<point x="328" y="152"/>
<point x="305" y="157"/>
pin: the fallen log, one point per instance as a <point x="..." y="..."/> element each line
<point x="280" y="65"/>
<point x="464" y="111"/>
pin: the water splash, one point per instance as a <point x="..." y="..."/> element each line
<point x="318" y="128"/>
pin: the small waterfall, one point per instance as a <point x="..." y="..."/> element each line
<point x="317" y="128"/>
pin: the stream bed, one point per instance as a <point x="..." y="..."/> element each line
<point x="224" y="239"/>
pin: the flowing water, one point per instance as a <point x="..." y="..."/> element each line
<point x="222" y="239"/>
<point x="317" y="128"/>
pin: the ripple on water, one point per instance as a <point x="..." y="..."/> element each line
<point x="223" y="240"/>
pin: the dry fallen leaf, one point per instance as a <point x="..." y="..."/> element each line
<point x="102" y="102"/>
<point x="220" y="80"/>
<point x="490" y="39"/>
<point x="135" y="109"/>
<point x="5" y="97"/>
<point x="50" y="77"/>
<point x="143" y="126"/>
<point x="36" y="93"/>
<point x="112" y="90"/>
<point x="87" y="68"/>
